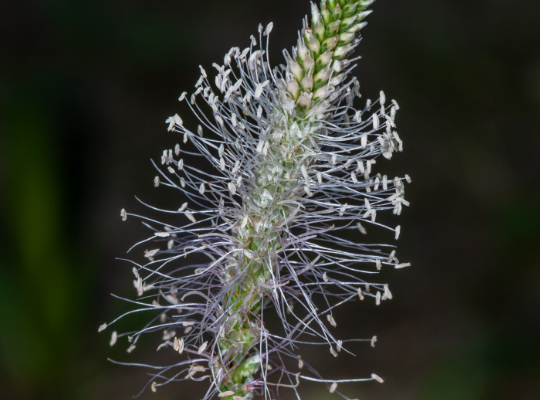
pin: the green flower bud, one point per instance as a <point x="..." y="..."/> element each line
<point x="332" y="28"/>
<point x="346" y="38"/>
<point x="312" y="42"/>
<point x="336" y="12"/>
<point x="330" y="43"/>
<point x="349" y="9"/>
<point x="307" y="83"/>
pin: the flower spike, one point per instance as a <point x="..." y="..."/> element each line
<point x="293" y="165"/>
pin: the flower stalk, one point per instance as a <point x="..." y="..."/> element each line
<point x="292" y="165"/>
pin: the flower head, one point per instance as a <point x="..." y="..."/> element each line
<point x="292" y="166"/>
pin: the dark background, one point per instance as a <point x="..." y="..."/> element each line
<point x="85" y="88"/>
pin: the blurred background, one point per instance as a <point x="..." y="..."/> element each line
<point x="85" y="88"/>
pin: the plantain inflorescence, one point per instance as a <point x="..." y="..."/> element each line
<point x="269" y="221"/>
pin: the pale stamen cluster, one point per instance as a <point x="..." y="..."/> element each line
<point x="292" y="164"/>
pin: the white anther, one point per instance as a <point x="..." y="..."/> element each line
<point x="181" y="346"/>
<point x="150" y="253"/>
<point x="202" y="348"/>
<point x="203" y="72"/>
<point x="236" y="167"/>
<point x="259" y="89"/>
<point x="245" y="221"/>
<point x="304" y="172"/>
<point x="376" y="122"/>
<point x="331" y="320"/>
<point x="387" y="293"/>
<point x="190" y="217"/>
<point x="268" y="29"/>
<point x="363" y="141"/>
<point x="402" y="265"/>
